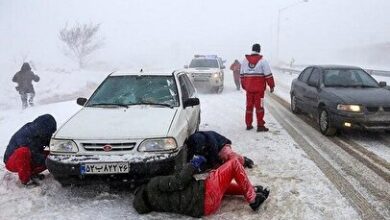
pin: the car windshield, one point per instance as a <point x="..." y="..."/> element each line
<point x="348" y="78"/>
<point x="205" y="63"/>
<point x="136" y="90"/>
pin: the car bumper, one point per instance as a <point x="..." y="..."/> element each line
<point x="140" y="170"/>
<point x="378" y="121"/>
<point x="207" y="82"/>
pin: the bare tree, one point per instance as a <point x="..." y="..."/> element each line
<point x="81" y="41"/>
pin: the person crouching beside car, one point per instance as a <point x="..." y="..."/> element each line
<point x="182" y="193"/>
<point x="215" y="147"/>
<point x="25" y="153"/>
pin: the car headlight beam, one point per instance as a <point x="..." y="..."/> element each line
<point x="216" y="75"/>
<point x="63" y="146"/>
<point x="349" y="108"/>
<point x="158" y="144"/>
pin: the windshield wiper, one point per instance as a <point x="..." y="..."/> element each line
<point x="107" y="104"/>
<point x="154" y="103"/>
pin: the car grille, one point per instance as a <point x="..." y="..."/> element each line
<point x="114" y="146"/>
<point x="377" y="108"/>
<point x="201" y="75"/>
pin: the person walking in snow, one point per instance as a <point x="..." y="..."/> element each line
<point x="25" y="87"/>
<point x="255" y="75"/>
<point x="235" y="67"/>
<point x="182" y="193"/>
<point x="215" y="148"/>
<point x="25" y="153"/>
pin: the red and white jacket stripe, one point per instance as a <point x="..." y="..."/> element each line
<point x="255" y="74"/>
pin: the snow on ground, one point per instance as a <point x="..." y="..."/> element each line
<point x="54" y="86"/>
<point x="299" y="190"/>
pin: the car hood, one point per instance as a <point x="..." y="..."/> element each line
<point x="203" y="70"/>
<point x="364" y="96"/>
<point x="118" y="123"/>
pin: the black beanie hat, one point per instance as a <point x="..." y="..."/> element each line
<point x="256" y="48"/>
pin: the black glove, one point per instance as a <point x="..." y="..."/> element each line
<point x="197" y="162"/>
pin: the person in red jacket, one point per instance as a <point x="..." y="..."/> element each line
<point x="235" y="67"/>
<point x="255" y="75"/>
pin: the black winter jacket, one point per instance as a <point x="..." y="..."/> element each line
<point x="34" y="135"/>
<point x="24" y="79"/>
<point x="178" y="193"/>
<point x="208" y="144"/>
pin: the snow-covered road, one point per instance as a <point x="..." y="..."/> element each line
<point x="304" y="185"/>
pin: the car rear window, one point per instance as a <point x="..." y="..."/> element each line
<point x="133" y="90"/>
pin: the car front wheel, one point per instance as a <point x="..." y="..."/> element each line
<point x="325" y="124"/>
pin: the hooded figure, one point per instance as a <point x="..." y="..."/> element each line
<point x="25" y="87"/>
<point x="25" y="152"/>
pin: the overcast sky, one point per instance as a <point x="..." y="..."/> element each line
<point x="146" y="33"/>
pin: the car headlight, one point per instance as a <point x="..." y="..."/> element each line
<point x="349" y="108"/>
<point x="63" y="146"/>
<point x="215" y="75"/>
<point x="158" y="144"/>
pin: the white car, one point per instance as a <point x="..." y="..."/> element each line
<point x="207" y="72"/>
<point x="132" y="128"/>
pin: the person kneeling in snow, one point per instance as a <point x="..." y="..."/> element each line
<point x="25" y="153"/>
<point x="215" y="147"/>
<point x="182" y="193"/>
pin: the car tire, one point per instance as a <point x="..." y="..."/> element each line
<point x="293" y="105"/>
<point x="324" y="122"/>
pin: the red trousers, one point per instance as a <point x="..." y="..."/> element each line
<point x="20" y="162"/>
<point x="219" y="183"/>
<point x="254" y="100"/>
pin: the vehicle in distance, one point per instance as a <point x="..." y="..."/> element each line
<point x="341" y="97"/>
<point x="133" y="127"/>
<point x="207" y="72"/>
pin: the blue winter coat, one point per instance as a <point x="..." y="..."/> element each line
<point x="35" y="135"/>
<point x="208" y="144"/>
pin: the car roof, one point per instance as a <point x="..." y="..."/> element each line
<point x="332" y="66"/>
<point x="143" y="72"/>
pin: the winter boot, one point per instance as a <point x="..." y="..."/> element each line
<point x="258" y="201"/>
<point x="248" y="162"/>
<point x="258" y="189"/>
<point x="262" y="129"/>
<point x="249" y="127"/>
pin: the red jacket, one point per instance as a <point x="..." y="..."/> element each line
<point x="256" y="74"/>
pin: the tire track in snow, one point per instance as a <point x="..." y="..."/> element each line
<point x="296" y="128"/>
<point x="370" y="159"/>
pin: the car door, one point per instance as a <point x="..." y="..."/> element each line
<point x="312" y="91"/>
<point x="300" y="87"/>
<point x="192" y="112"/>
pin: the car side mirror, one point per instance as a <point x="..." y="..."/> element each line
<point x="223" y="67"/>
<point x="81" y="101"/>
<point x="186" y="66"/>
<point x="191" y="102"/>
<point x="382" y="84"/>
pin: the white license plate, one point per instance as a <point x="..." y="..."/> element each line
<point x="104" y="168"/>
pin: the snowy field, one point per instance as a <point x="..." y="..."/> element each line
<point x="299" y="190"/>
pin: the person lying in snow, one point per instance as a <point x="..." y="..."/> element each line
<point x="215" y="147"/>
<point x="182" y="193"/>
<point x="25" y="153"/>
